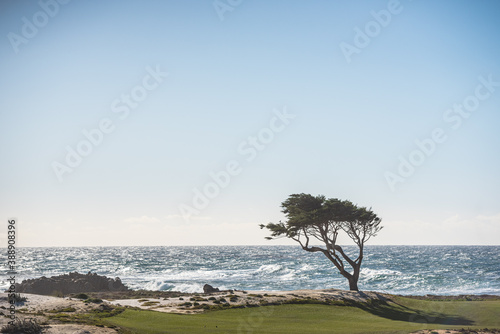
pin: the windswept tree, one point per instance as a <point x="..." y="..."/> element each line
<point x="315" y="218"/>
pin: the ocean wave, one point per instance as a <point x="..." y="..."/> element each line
<point x="372" y="274"/>
<point x="392" y="269"/>
<point x="308" y="267"/>
<point x="269" y="268"/>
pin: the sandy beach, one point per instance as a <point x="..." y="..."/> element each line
<point x="238" y="297"/>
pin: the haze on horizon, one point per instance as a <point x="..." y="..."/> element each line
<point x="174" y="123"/>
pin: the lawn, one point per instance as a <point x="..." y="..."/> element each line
<point x="403" y="315"/>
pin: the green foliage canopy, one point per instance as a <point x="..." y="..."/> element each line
<point x="323" y="219"/>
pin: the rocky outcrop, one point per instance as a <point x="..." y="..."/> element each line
<point x="70" y="283"/>
<point x="207" y="288"/>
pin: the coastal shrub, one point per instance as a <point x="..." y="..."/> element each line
<point x="201" y="306"/>
<point x="82" y="296"/>
<point x="62" y="317"/>
<point x="254" y="295"/>
<point x="68" y="309"/>
<point x="94" y="300"/>
<point x="211" y="298"/>
<point x="108" y="311"/>
<point x="216" y="301"/>
<point x="94" y="317"/>
<point x="251" y="305"/>
<point x="16" y="298"/>
<point x="229" y="306"/>
<point x="180" y="298"/>
<point x="198" y="299"/>
<point x="223" y="300"/>
<point x="148" y="303"/>
<point x="196" y="304"/>
<point x="305" y="301"/>
<point x="233" y="299"/>
<point x="186" y="304"/>
<point x="218" y="307"/>
<point x="27" y="326"/>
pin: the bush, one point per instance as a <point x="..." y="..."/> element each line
<point x="82" y="296"/>
<point x="94" y="300"/>
<point x="16" y="298"/>
<point x="201" y="306"/>
<point x="26" y="326"/>
<point x="64" y="309"/>
<point x="198" y="299"/>
<point x="306" y="301"/>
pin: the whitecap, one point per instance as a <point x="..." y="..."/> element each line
<point x="269" y="268"/>
<point x="188" y="287"/>
<point x="371" y="274"/>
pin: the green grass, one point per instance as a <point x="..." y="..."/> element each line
<point x="403" y="316"/>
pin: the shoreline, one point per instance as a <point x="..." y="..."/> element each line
<point x="61" y="313"/>
<point x="168" y="293"/>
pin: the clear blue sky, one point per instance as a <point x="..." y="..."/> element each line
<point x="291" y="96"/>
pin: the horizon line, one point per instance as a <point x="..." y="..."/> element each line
<point x="255" y="245"/>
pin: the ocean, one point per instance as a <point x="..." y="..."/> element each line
<point x="406" y="270"/>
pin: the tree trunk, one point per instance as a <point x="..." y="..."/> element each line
<point x="353" y="284"/>
<point x="353" y="279"/>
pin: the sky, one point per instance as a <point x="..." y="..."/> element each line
<point x="162" y="123"/>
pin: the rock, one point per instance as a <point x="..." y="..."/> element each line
<point x="70" y="283"/>
<point x="207" y="288"/>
